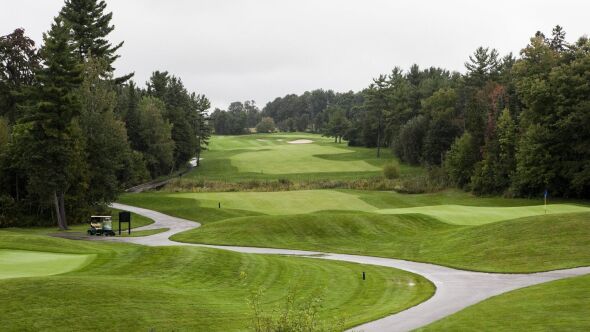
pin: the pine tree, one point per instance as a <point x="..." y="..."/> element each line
<point x="557" y="41"/>
<point x="51" y="138"/>
<point x="91" y="27"/>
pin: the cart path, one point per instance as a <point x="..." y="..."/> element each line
<point x="455" y="289"/>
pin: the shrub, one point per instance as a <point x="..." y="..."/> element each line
<point x="391" y="171"/>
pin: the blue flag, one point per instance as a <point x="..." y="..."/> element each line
<point x="546" y="193"/>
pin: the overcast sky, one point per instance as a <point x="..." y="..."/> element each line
<point x="260" y="49"/>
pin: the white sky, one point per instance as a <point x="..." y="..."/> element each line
<point x="260" y="49"/>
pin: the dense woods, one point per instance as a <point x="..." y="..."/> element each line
<point x="72" y="135"/>
<point x="509" y="125"/>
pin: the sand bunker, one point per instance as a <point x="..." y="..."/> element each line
<point x="261" y="140"/>
<point x="301" y="141"/>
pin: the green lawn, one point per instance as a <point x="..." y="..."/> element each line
<point x="520" y="245"/>
<point x="131" y="287"/>
<point x="492" y="237"/>
<point x="451" y="207"/>
<point x="561" y="305"/>
<point x="270" y="157"/>
<point x="22" y="263"/>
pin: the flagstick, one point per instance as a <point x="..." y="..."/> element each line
<point x="545" y="204"/>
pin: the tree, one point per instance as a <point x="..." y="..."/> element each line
<point x="483" y="65"/>
<point x="443" y="127"/>
<point x="155" y="135"/>
<point x="50" y="139"/>
<point x="460" y="160"/>
<point x="108" y="151"/>
<point x="558" y="42"/>
<point x="19" y="61"/>
<point x="91" y="26"/>
<point x="338" y="124"/>
<point x="266" y="125"/>
<point x="410" y="141"/>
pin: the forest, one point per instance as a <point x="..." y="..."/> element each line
<point x="510" y="125"/>
<point x="72" y="134"/>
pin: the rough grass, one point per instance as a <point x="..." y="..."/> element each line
<point x="130" y="287"/>
<point x="561" y="305"/>
<point x="520" y="245"/>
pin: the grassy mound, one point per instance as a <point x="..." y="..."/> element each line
<point x="189" y="288"/>
<point x="521" y="245"/>
<point x="561" y="305"/>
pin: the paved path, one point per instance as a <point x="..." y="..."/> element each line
<point x="455" y="289"/>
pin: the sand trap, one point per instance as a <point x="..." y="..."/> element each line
<point x="261" y="140"/>
<point x="301" y="141"/>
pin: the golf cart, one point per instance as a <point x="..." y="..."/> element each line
<point x="101" y="226"/>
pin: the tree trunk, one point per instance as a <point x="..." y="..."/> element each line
<point x="339" y="139"/>
<point x="62" y="210"/>
<point x="58" y="212"/>
<point x="335" y="139"/>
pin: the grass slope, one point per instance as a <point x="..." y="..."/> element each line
<point x="451" y="207"/>
<point x="130" y="287"/>
<point x="561" y="305"/>
<point x="522" y="245"/>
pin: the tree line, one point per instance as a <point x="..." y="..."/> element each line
<point x="72" y="134"/>
<point x="513" y="125"/>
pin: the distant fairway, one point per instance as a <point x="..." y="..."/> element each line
<point x="270" y="156"/>
<point x="20" y="263"/>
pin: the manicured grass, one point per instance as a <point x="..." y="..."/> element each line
<point x="204" y="207"/>
<point x="561" y="305"/>
<point x="143" y="233"/>
<point x="521" y="245"/>
<point x="478" y="215"/>
<point x="269" y="157"/>
<point x="136" y="221"/>
<point x="21" y="263"/>
<point x="131" y="287"/>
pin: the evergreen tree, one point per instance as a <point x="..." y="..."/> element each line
<point x="557" y="41"/>
<point x="460" y="160"/>
<point x="50" y="140"/>
<point x="91" y="26"/>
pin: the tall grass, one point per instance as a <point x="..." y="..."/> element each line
<point x="414" y="184"/>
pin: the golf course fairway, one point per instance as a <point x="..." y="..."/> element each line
<point x="190" y="288"/>
<point x="21" y="263"/>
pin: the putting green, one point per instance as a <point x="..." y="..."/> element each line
<point x="477" y="215"/>
<point x="21" y="263"/>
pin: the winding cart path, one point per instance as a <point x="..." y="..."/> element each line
<point x="455" y="289"/>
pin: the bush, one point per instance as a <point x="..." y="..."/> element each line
<point x="391" y="171"/>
